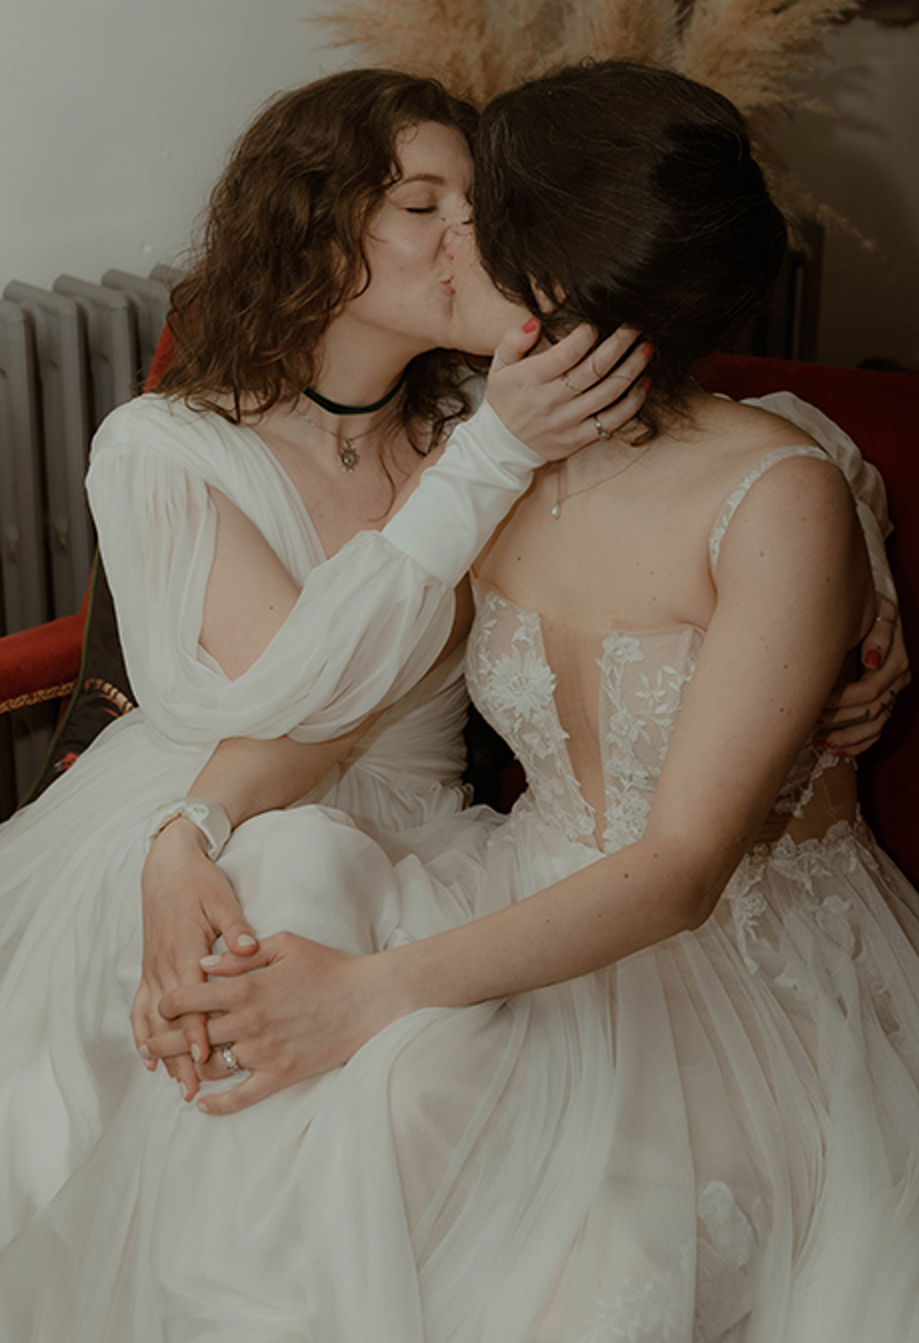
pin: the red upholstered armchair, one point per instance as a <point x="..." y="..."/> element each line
<point x="879" y="410"/>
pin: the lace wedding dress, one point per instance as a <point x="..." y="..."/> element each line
<point x="714" y="1141"/>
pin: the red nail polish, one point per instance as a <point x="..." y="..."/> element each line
<point x="873" y="659"/>
<point x="531" y="325"/>
<point x="646" y="385"/>
<point x="647" y="351"/>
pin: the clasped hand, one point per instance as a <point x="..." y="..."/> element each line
<point x="290" y="1010"/>
<point x="188" y="904"/>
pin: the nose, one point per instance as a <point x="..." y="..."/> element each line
<point x="456" y="234"/>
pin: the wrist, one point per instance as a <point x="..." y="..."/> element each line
<point x="208" y="819"/>
<point x="398" y="987"/>
<point x="179" y="836"/>
<point x="416" y="975"/>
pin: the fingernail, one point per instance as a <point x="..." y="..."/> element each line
<point x="196" y="1053"/>
<point x="184" y="1090"/>
<point x="837" y="752"/>
<point x="873" y="659"/>
<point x="203" y="1108"/>
<point x="150" y="1065"/>
<point x="245" y="940"/>
<point x="144" y="1052"/>
<point x="531" y="325"/>
<point x="820" y="743"/>
<point x="209" y="960"/>
<point x="647" y="350"/>
<point x="646" y="385"/>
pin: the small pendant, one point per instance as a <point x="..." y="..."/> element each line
<point x="555" y="511"/>
<point x="348" y="456"/>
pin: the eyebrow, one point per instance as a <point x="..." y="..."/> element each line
<point x="421" y="177"/>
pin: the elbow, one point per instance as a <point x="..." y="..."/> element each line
<point x="698" y="898"/>
<point x="698" y="911"/>
<point x="689" y="877"/>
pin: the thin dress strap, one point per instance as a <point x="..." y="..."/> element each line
<point x="738" y="494"/>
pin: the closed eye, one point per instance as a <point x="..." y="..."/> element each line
<point x="420" y="209"/>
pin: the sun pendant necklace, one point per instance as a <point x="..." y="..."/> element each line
<point x="556" y="510"/>
<point x="348" y="455"/>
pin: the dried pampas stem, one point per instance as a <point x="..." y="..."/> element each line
<point x="752" y="51"/>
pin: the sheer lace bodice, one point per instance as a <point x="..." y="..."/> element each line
<point x="641" y="678"/>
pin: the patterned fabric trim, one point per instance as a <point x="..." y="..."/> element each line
<point x="50" y="692"/>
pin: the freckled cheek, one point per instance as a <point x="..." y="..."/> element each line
<point x="406" y="252"/>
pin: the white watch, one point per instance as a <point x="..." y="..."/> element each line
<point x="209" y="817"/>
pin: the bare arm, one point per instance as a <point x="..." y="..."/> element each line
<point x="188" y="902"/>
<point x="794" y="593"/>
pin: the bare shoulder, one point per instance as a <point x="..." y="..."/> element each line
<point x="741" y="428"/>
<point x="796" y="501"/>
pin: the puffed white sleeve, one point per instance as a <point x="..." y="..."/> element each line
<point x="367" y="625"/>
<point x="865" y="481"/>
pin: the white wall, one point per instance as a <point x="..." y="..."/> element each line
<point x="116" y="116"/>
<point x="865" y="163"/>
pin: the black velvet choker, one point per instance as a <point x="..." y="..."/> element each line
<point x="339" y="408"/>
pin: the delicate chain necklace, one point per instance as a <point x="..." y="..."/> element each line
<point x="556" y="510"/>
<point x="348" y="455"/>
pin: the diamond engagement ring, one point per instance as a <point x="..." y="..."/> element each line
<point x="230" y="1059"/>
<point x="602" y="432"/>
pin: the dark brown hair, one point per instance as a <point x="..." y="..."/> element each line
<point x="632" y="191"/>
<point x="282" y="247"/>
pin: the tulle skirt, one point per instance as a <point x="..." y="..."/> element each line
<point x="715" y="1140"/>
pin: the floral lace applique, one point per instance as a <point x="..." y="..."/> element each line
<point x="513" y="686"/>
<point x="726" y="1257"/>
<point x="716" y="1270"/>
<point x="807" y="867"/>
<point x="653" y="1311"/>
<point x="798" y="788"/>
<point x="639" y="710"/>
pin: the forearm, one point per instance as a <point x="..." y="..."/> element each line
<point x="248" y="776"/>
<point x="607" y="911"/>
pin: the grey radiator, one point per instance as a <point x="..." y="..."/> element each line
<point x="68" y="355"/>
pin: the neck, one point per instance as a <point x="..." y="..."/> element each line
<point x="358" y="367"/>
<point x="341" y="408"/>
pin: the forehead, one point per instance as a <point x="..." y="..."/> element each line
<point x="434" y="153"/>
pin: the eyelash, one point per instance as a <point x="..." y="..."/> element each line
<point x="420" y="210"/>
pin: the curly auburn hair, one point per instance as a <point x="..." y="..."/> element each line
<point x="283" y="247"/>
<point x="631" y="191"/>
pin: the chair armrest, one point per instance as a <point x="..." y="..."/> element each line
<point x="41" y="663"/>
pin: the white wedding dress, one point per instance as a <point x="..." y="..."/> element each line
<point x="70" y="863"/>
<point x="715" y="1140"/>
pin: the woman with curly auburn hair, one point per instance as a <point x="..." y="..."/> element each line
<point x="240" y="512"/>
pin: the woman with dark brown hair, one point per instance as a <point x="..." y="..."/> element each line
<point x="310" y="383"/>
<point x="639" y="1063"/>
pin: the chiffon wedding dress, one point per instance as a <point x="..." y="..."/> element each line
<point x="70" y="863"/>
<point x="714" y="1141"/>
